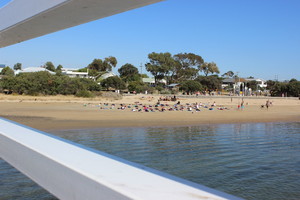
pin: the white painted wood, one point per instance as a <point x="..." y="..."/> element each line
<point x="71" y="171"/>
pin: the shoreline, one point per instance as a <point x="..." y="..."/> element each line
<point x="83" y="125"/>
<point x="56" y="113"/>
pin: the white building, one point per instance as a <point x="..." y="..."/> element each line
<point x="73" y="73"/>
<point x="151" y="81"/>
<point x="260" y="82"/>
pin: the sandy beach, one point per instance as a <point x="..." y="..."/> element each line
<point x="60" y="112"/>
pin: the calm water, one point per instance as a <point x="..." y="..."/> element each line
<point x="252" y="161"/>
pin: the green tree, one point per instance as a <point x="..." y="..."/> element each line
<point x="160" y="65"/>
<point x="270" y="84"/>
<point x="109" y="63"/>
<point x="278" y="89"/>
<point x="89" y="84"/>
<point x="209" y="68"/>
<point x="18" y="66"/>
<point x="85" y="69"/>
<point x="7" y="83"/>
<point x="210" y="82"/>
<point x="113" y="82"/>
<point x="99" y="65"/>
<point x="144" y="76"/>
<point x="294" y="88"/>
<point x="58" y="70"/>
<point x="252" y="85"/>
<point x="96" y="65"/>
<point x="190" y="86"/>
<point x="186" y="67"/>
<point x="49" y="65"/>
<point x="7" y="71"/>
<point x="290" y="88"/>
<point x="128" y="73"/>
<point x="228" y="74"/>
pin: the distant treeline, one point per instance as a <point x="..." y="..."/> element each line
<point x="186" y="70"/>
<point x="289" y="88"/>
<point x="46" y="84"/>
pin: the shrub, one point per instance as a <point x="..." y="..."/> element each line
<point x="85" y="94"/>
<point x="165" y="91"/>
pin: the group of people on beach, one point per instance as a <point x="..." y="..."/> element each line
<point x="160" y="107"/>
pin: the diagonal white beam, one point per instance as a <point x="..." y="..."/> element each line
<point x="70" y="171"/>
<point x="21" y="20"/>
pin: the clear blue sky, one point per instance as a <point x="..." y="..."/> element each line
<point x="259" y="38"/>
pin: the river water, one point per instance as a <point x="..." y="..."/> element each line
<point x="252" y="161"/>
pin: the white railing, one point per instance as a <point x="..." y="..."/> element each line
<point x="72" y="171"/>
<point x="39" y="17"/>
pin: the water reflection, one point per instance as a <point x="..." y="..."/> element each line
<point x="253" y="161"/>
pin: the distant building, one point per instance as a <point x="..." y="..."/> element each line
<point x="151" y="81"/>
<point x="73" y="73"/>
<point x="260" y="82"/>
<point x="239" y="85"/>
<point x="233" y="83"/>
<point x="33" y="69"/>
<point x="103" y="76"/>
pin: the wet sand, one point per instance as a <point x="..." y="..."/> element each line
<point x="54" y="113"/>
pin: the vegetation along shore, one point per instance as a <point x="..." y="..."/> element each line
<point x="183" y="90"/>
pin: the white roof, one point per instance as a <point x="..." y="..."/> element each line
<point x="107" y="75"/>
<point x="33" y="69"/>
<point x="255" y="79"/>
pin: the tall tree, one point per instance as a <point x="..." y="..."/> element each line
<point x="18" y="66"/>
<point x="49" y="65"/>
<point x="128" y="73"/>
<point x="160" y="65"/>
<point x="209" y="68"/>
<point x="228" y="74"/>
<point x="210" y="82"/>
<point x="291" y="88"/>
<point x="109" y="63"/>
<point x="187" y="65"/>
<point x="113" y="82"/>
<point x="98" y="65"/>
<point x="58" y="68"/>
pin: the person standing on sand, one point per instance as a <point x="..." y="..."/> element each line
<point x="267" y="104"/>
